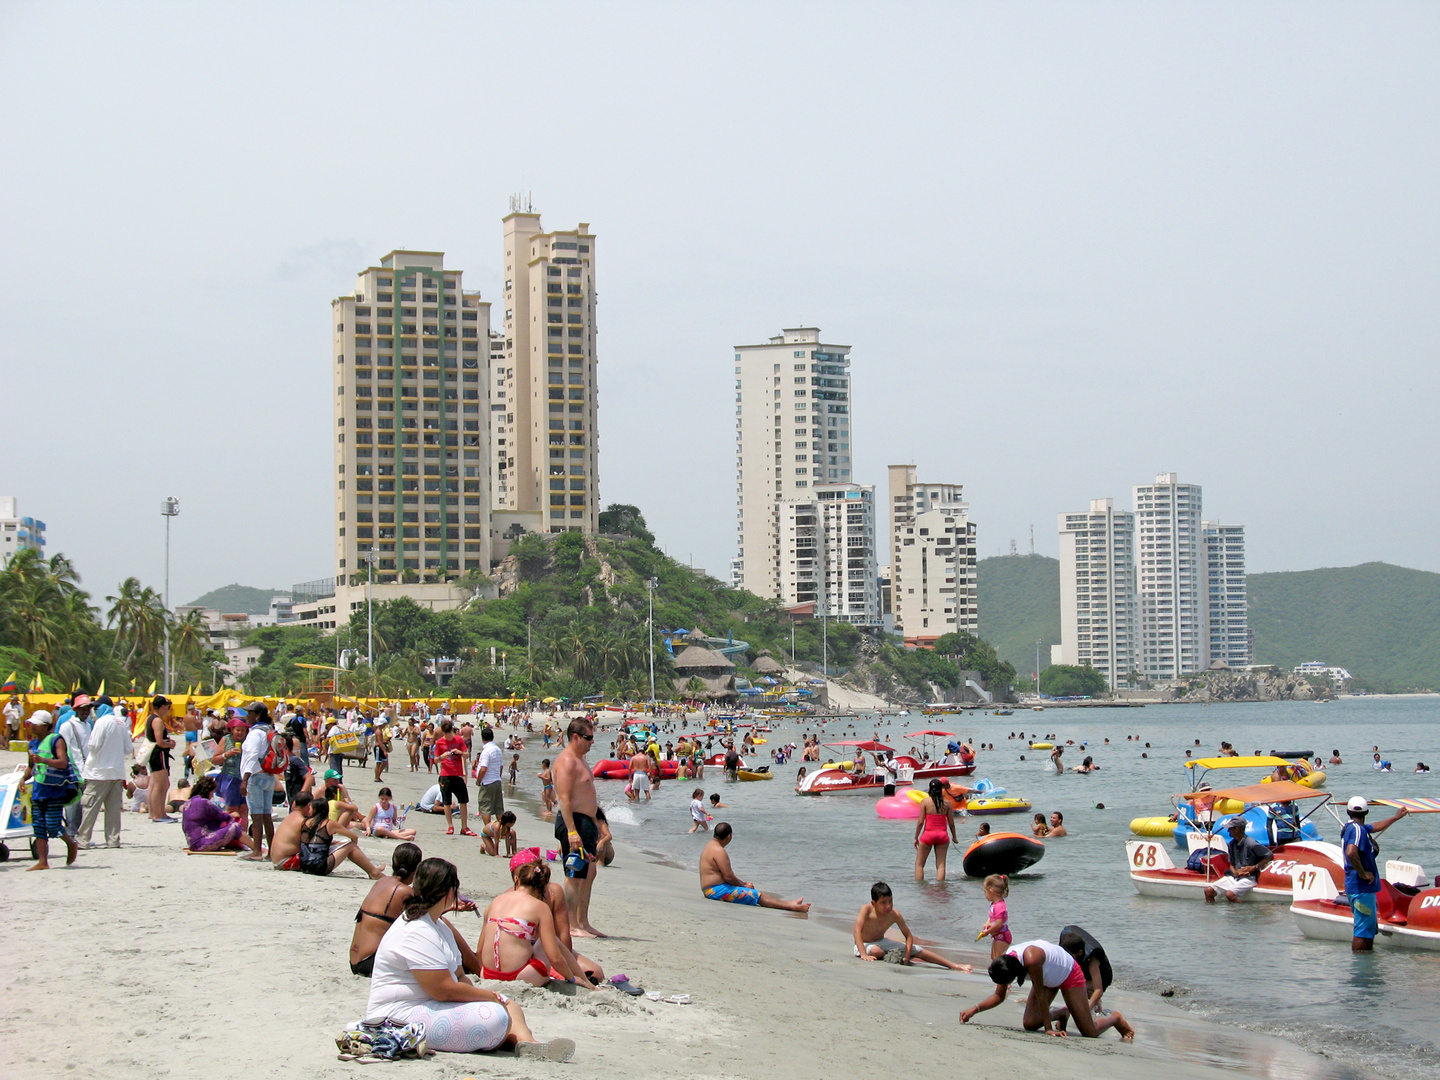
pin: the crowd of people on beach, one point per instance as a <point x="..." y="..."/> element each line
<point x="246" y="765"/>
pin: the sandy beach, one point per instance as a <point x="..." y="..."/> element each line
<point x="145" y="962"/>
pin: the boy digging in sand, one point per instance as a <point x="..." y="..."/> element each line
<point x="878" y="916"/>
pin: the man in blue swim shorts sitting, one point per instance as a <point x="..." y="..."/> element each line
<point x="718" y="880"/>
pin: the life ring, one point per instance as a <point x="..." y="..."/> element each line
<point x="1001" y="853"/>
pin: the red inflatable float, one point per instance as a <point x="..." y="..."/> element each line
<point x="614" y="769"/>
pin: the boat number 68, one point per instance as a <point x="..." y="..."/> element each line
<point x="1145" y="855"/>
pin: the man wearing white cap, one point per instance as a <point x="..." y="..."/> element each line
<point x="1362" y="880"/>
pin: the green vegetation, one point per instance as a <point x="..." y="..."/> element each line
<point x="47" y="625"/>
<point x="575" y="625"/>
<point x="1381" y="622"/>
<point x="1064" y="680"/>
<point x="234" y="599"/>
<point x="1019" y="599"/>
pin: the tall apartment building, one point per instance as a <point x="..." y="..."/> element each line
<point x="18" y="533"/>
<point x="412" y="474"/>
<point x="500" y="410"/>
<point x="827" y="553"/>
<point x="1170" y="571"/>
<point x="932" y="559"/>
<point x="792" y="432"/>
<point x="549" y="481"/>
<point x="1227" y="609"/>
<point x="1097" y="591"/>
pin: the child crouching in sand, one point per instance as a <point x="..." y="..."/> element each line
<point x="497" y="832"/>
<point x="878" y="916"/>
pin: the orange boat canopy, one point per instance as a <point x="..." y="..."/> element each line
<point x="1276" y="791"/>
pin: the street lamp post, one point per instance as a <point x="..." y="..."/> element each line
<point x="169" y="508"/>
<point x="651" y="584"/>
<point x="1037" y="667"/>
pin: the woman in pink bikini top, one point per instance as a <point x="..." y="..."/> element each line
<point x="515" y="922"/>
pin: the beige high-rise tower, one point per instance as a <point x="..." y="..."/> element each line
<point x="932" y="559"/>
<point x="412" y="475"/>
<point x="547" y="479"/>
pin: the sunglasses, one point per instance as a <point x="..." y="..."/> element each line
<point x="581" y="735"/>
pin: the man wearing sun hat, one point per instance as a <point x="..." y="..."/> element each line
<point x="1362" y="879"/>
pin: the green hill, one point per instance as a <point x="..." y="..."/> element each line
<point x="1019" y="604"/>
<point x="1382" y="622"/>
<point x="237" y="598"/>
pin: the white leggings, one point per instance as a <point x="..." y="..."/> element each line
<point x="462" y="1027"/>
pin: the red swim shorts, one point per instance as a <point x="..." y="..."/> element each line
<point x="1075" y="978"/>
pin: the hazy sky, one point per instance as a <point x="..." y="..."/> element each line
<point x="1071" y="244"/>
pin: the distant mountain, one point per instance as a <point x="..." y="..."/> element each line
<point x="1381" y="622"/>
<point x="1019" y="604"/>
<point x="237" y="598"/>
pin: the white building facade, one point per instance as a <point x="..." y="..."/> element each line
<point x="1170" y="572"/>
<point x="792" y="433"/>
<point x="1098" y="600"/>
<point x="18" y="533"/>
<point x="827" y="553"/>
<point x="1227" y="607"/>
<point x="933" y="587"/>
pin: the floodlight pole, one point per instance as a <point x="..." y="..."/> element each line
<point x="370" y="610"/>
<point x="168" y="509"/>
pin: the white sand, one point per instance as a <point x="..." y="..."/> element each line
<point x="145" y="962"/>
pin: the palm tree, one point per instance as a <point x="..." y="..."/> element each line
<point x="189" y="638"/>
<point x="124" y="610"/>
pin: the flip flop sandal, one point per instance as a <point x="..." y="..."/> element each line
<point x="678" y="999"/>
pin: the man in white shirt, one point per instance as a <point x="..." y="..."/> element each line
<point x="256" y="784"/>
<point x="103" y="769"/>
<point x="488" y="769"/>
<point x="76" y="733"/>
<point x="13" y="711"/>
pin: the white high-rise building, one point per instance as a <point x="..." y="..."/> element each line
<point x="933" y="587"/>
<point x="549" y="481"/>
<point x="792" y="432"/>
<point x="1227" y="609"/>
<point x="1097" y="591"/>
<point x="827" y="553"/>
<point x="1170" y="572"/>
<point x="18" y="533"/>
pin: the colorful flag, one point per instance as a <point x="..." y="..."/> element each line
<point x="152" y="687"/>
<point x="9" y="685"/>
<point x="101" y="691"/>
<point x="38" y="685"/>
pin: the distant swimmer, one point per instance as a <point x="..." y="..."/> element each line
<point x="718" y="880"/>
<point x="1049" y="969"/>
<point x="1380" y="766"/>
<point x="1089" y="766"/>
<point x="1420" y="766"/>
<point x="1057" y="825"/>
<point x="878" y="916"/>
<point x="1055" y="759"/>
<point x="1335" y="758"/>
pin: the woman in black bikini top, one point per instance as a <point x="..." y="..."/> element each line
<point x="366" y="940"/>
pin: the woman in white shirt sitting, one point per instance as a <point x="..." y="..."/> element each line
<point x="419" y="978"/>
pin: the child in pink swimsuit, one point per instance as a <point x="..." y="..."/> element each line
<point x="997" y="926"/>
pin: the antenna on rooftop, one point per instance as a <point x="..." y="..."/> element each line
<point x="1013" y="550"/>
<point x="522" y="203"/>
<point x="1032" y="539"/>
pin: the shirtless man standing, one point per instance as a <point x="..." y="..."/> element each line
<point x="575" y="822"/>
<point x="640" y="774"/>
<point x="718" y="880"/>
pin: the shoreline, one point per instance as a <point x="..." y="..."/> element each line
<point x="164" y="941"/>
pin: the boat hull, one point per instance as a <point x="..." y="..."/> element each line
<point x="1153" y="873"/>
<point x="839" y="782"/>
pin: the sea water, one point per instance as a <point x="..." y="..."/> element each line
<point x="1247" y="965"/>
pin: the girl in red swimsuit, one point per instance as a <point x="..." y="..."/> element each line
<point x="515" y="923"/>
<point x="933" y="831"/>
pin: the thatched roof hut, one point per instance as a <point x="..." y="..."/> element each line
<point x="767" y="665"/>
<point x="693" y="660"/>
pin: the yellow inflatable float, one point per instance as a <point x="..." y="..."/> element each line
<point x="1042" y="746"/>
<point x="1152" y="826"/>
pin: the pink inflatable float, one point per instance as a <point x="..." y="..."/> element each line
<point x="900" y="806"/>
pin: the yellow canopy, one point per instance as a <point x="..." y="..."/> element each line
<point x="1278" y="791"/>
<point x="1252" y="762"/>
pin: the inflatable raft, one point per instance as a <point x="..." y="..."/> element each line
<point x="1001" y="853"/>
<point x="1006" y="804"/>
<point x="755" y="774"/>
<point x="1152" y="826"/>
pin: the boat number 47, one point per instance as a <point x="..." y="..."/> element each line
<point x="1306" y="878"/>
